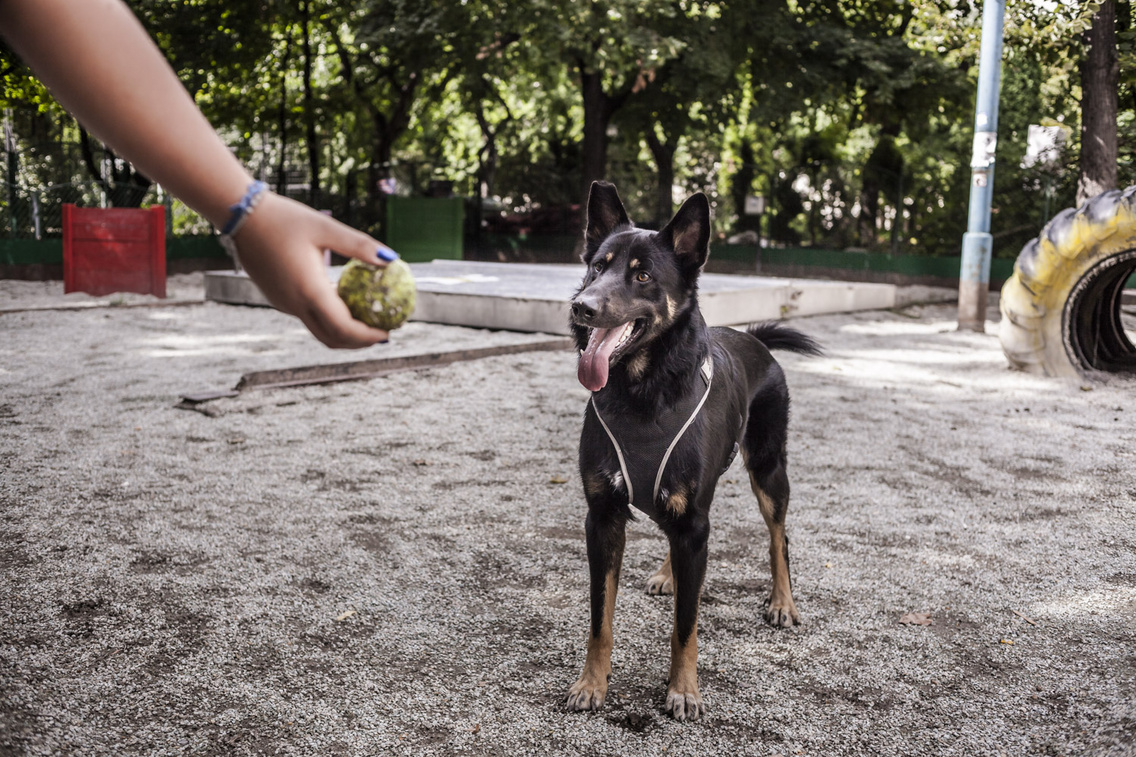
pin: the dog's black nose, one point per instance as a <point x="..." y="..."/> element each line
<point x="582" y="311"/>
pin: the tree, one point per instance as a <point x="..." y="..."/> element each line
<point x="1100" y="82"/>
<point x="689" y="91"/>
<point x="893" y="86"/>
<point x="389" y="50"/>
<point x="847" y="114"/>
<point x="310" y="135"/>
<point x="125" y="187"/>
<point x="1085" y="62"/>
<point x="614" y="47"/>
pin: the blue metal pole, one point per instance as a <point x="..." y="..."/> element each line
<point x="977" y="243"/>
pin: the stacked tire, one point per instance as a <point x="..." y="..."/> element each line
<point x="1061" y="309"/>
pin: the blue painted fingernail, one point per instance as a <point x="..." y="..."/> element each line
<point x="387" y="254"/>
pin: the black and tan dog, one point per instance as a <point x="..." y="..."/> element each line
<point x="672" y="402"/>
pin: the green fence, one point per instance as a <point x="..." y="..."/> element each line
<point x="31" y="252"/>
<point x="522" y="248"/>
<point x="17" y="252"/>
<point x="196" y="248"/>
<point x="431" y="244"/>
<point x="871" y="262"/>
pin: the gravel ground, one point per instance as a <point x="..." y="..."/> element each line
<point x="397" y="566"/>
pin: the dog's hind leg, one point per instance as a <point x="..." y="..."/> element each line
<point x="606" y="535"/>
<point x="763" y="449"/>
<point x="688" y="567"/>
<point x="662" y="582"/>
<point x="772" y="492"/>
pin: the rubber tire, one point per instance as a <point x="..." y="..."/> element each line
<point x="1061" y="307"/>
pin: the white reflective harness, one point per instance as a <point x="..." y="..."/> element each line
<point x="638" y="445"/>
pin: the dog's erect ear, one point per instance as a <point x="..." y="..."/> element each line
<point x="688" y="233"/>
<point x="605" y="215"/>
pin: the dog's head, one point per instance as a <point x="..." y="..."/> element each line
<point x="638" y="282"/>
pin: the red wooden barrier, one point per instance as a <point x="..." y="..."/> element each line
<point x="109" y="250"/>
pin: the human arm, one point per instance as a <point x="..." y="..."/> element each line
<point x="99" y="62"/>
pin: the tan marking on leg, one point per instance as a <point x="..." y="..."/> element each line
<point x="590" y="690"/>
<point x="594" y="484"/>
<point x="662" y="582"/>
<point x="677" y="502"/>
<point x="683" y="700"/>
<point x="782" y="611"/>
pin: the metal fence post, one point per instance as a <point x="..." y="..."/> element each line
<point x="977" y="243"/>
<point x="897" y="225"/>
<point x="37" y="220"/>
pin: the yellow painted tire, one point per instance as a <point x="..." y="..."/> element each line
<point x="1061" y="307"/>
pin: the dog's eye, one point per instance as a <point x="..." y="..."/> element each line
<point x="597" y="267"/>
<point x="642" y="277"/>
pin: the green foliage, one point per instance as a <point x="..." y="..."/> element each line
<point x="21" y="88"/>
<point x="852" y="117"/>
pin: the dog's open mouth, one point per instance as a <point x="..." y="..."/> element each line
<point x="604" y="347"/>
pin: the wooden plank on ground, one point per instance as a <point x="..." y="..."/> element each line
<point x="365" y="369"/>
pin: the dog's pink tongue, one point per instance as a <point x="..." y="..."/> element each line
<point x="593" y="366"/>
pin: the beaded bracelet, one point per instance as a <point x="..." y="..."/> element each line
<point x="239" y="214"/>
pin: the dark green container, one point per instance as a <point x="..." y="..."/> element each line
<point x="425" y="228"/>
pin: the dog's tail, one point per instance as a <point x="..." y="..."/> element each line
<point x="777" y="336"/>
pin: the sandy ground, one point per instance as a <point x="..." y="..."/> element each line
<point x="397" y="566"/>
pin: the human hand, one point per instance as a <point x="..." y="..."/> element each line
<point x="115" y="81"/>
<point x="281" y="247"/>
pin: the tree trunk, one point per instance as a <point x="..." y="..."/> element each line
<point x="813" y="172"/>
<point x="88" y="155"/>
<point x="881" y="173"/>
<point x="387" y="128"/>
<point x="350" y="193"/>
<point x="377" y="171"/>
<point x="13" y="154"/>
<point x="1100" y="82"/>
<point x="597" y="116"/>
<point x="741" y="187"/>
<point x="124" y="189"/>
<point x="488" y="155"/>
<point x="869" y="207"/>
<point x="282" y="121"/>
<point x="663" y="153"/>
<point x="309" y="109"/>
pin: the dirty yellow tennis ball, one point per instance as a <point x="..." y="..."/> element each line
<point x="380" y="297"/>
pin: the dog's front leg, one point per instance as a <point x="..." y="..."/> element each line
<point x="605" y="531"/>
<point x="688" y="568"/>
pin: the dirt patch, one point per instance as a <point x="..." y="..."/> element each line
<point x="393" y="566"/>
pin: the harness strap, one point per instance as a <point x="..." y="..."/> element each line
<point x="707" y="371"/>
<point x="618" y="453"/>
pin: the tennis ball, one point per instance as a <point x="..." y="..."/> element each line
<point x="380" y="297"/>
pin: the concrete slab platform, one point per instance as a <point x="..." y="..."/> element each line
<point x="531" y="297"/>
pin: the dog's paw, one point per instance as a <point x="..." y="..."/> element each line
<point x="588" y="693"/>
<point x="782" y="614"/>
<point x="684" y="705"/>
<point x="660" y="583"/>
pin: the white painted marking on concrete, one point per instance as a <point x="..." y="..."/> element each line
<point x="473" y="278"/>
